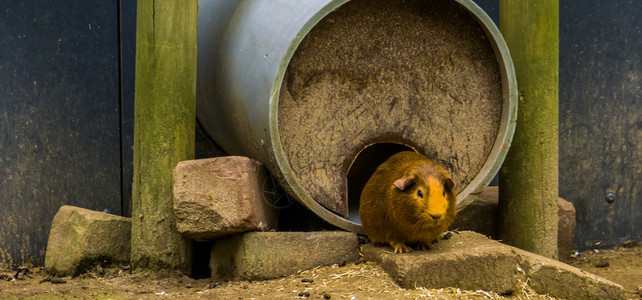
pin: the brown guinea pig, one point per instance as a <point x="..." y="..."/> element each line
<point x="410" y="199"/>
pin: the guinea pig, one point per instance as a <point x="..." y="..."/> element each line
<point x="408" y="199"/>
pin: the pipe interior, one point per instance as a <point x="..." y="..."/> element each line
<point x="416" y="72"/>
<point x="362" y="168"/>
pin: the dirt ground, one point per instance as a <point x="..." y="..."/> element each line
<point x="621" y="265"/>
<point x="351" y="281"/>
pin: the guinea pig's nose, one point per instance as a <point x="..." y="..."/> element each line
<point x="435" y="217"/>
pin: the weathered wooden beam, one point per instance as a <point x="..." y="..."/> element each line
<point x="528" y="178"/>
<point x="164" y="128"/>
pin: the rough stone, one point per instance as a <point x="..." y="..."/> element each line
<point x="469" y="260"/>
<point x="630" y="244"/>
<point x="457" y="262"/>
<point x="221" y="196"/>
<point x="267" y="255"/>
<point x="80" y="237"/>
<point x="481" y="216"/>
<point x="566" y="230"/>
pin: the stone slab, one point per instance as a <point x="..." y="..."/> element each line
<point x="221" y="196"/>
<point x="472" y="261"/>
<point x="268" y="255"/>
<point x="481" y="216"/>
<point x="80" y="237"/>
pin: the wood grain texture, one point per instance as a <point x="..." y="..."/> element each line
<point x="164" y="128"/>
<point x="528" y="178"/>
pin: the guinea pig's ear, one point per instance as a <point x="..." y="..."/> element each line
<point x="403" y="183"/>
<point x="449" y="184"/>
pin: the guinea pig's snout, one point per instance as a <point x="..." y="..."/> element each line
<point x="435" y="216"/>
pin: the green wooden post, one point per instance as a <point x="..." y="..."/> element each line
<point x="528" y="178"/>
<point x="164" y="129"/>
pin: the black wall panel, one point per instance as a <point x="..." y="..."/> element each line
<point x="127" y="19"/>
<point x="59" y="117"/>
<point x="601" y="119"/>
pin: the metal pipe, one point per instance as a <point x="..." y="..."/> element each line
<point x="244" y="48"/>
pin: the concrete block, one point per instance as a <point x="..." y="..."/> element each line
<point x="481" y="216"/>
<point x="80" y="237"/>
<point x="267" y="255"/>
<point x="563" y="281"/>
<point x="472" y="261"/>
<point x="468" y="261"/>
<point x="221" y="196"/>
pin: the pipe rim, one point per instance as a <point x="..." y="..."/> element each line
<point x="277" y="146"/>
<point x="508" y="121"/>
<point x="484" y="175"/>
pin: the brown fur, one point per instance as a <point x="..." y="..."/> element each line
<point x="391" y="210"/>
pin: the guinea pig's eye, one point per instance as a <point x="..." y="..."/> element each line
<point x="444" y="192"/>
<point x="420" y="194"/>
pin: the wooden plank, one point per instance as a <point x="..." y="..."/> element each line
<point x="164" y="127"/>
<point x="528" y="178"/>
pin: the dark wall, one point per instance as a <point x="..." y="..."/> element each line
<point x="60" y="117"/>
<point x="127" y="37"/>
<point x="600" y="119"/>
<point x="600" y="137"/>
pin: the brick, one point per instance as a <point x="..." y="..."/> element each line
<point x="268" y="255"/>
<point x="80" y="237"/>
<point x="472" y="261"/>
<point x="221" y="196"/>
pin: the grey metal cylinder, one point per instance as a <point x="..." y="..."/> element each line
<point x="247" y="48"/>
